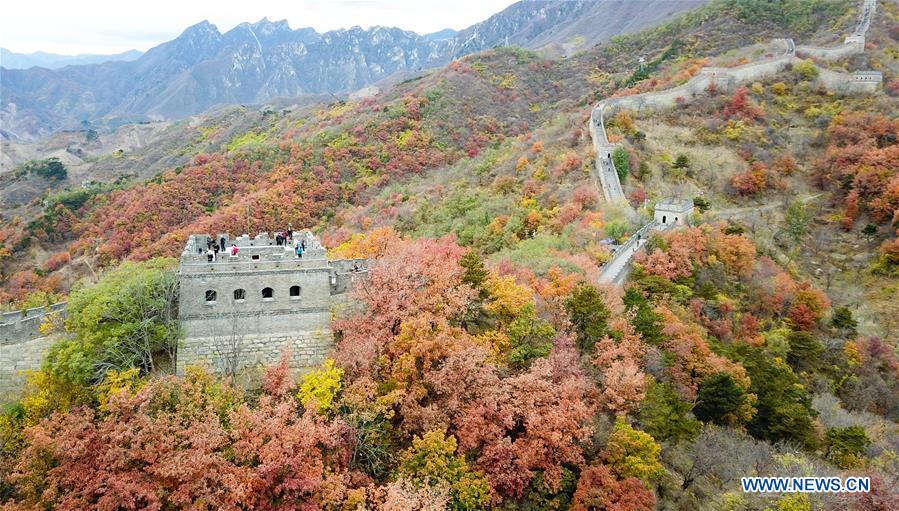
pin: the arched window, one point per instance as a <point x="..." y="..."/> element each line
<point x="240" y="295"/>
<point x="675" y="219"/>
<point x="210" y="296"/>
<point x="268" y="293"/>
<point x="664" y="218"/>
<point x="294" y="291"/>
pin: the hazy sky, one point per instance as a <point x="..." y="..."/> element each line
<point x="105" y="26"/>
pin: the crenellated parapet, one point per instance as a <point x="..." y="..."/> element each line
<point x="23" y="345"/>
<point x="24" y="325"/>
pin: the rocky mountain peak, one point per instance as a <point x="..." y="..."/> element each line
<point x="266" y="27"/>
<point x="255" y="62"/>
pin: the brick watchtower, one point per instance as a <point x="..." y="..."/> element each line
<point x="239" y="311"/>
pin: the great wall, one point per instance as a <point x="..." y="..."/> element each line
<point x="22" y="344"/>
<point x="616" y="270"/>
<point x="237" y="311"/>
<point x="269" y="322"/>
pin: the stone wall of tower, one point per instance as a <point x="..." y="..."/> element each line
<point x="242" y="311"/>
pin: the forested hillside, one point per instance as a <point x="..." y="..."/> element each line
<point x="484" y="367"/>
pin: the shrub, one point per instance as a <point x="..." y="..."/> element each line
<point x="842" y="319"/>
<point x="57" y="261"/>
<point x="120" y="322"/>
<point x="51" y="168"/>
<point x="806" y="69"/>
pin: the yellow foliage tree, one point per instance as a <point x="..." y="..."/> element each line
<point x="371" y="244"/>
<point x="118" y="382"/>
<point x="320" y="387"/>
<point x="625" y="122"/>
<point x="633" y="453"/>
<point x="507" y="297"/>
<point x="795" y="502"/>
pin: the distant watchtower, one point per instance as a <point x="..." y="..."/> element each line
<point x="239" y="311"/>
<point x="672" y="212"/>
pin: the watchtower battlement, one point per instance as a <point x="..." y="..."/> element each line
<point x="261" y="252"/>
<point x="242" y="300"/>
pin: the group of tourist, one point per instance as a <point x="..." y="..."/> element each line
<point x="284" y="238"/>
<point x="213" y="248"/>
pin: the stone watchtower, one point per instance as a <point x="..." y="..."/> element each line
<point x="240" y="311"/>
<point x="672" y="212"/>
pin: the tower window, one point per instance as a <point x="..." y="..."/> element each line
<point x="240" y="295"/>
<point x="255" y="257"/>
<point x="664" y="218"/>
<point x="210" y="296"/>
<point x="294" y="291"/>
<point x="268" y="293"/>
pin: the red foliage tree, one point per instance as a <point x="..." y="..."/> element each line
<point x="599" y="490"/>
<point x="740" y="106"/>
<point x="414" y="278"/>
<point x="178" y="444"/>
<point x="755" y="180"/>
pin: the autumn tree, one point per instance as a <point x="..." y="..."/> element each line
<point x="633" y="453"/>
<point x="599" y="490"/>
<point x="740" y="106"/>
<point x="720" y="400"/>
<point x="432" y="461"/>
<point x="414" y="278"/>
<point x="588" y="314"/>
<point x="122" y="321"/>
<point x="665" y="416"/>
<point x="319" y="388"/>
<point x="172" y="443"/>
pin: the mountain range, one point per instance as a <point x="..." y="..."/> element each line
<point x="12" y="60"/>
<point x="258" y="62"/>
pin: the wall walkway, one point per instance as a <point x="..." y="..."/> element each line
<point x="617" y="270"/>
